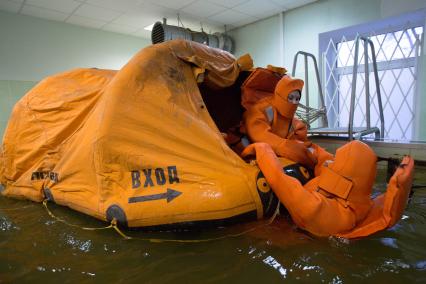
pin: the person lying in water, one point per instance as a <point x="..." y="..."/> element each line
<point x="338" y="200"/>
<point x="271" y="120"/>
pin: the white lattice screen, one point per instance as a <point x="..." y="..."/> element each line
<point x="396" y="52"/>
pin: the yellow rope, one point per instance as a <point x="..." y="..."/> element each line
<point x="73" y="225"/>
<point x="114" y="226"/>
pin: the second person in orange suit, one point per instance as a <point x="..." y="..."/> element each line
<point x="337" y="202"/>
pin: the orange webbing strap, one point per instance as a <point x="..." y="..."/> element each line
<point x="389" y="206"/>
<point x="334" y="183"/>
<point x="245" y="62"/>
<point x="114" y="225"/>
<point x="279" y="70"/>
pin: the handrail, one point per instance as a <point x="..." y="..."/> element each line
<point x="367" y="42"/>
<point x="306" y="55"/>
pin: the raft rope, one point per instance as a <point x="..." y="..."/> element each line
<point x="114" y="226"/>
<point x="73" y="225"/>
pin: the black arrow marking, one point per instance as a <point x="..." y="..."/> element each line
<point x="169" y="195"/>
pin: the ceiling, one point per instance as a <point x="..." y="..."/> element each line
<point x="131" y="16"/>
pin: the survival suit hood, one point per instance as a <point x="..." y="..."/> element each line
<point x="280" y="101"/>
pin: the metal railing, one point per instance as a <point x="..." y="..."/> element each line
<point x="351" y="131"/>
<point x="367" y="42"/>
<point x="322" y="113"/>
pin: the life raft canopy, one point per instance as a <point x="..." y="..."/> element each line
<point x="137" y="145"/>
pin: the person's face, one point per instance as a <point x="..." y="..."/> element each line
<point x="294" y="97"/>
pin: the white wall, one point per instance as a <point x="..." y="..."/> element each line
<point x="396" y="7"/>
<point x="32" y="48"/>
<point x="302" y="26"/>
<point x="257" y="38"/>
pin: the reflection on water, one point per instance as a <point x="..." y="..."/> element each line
<point x="36" y="247"/>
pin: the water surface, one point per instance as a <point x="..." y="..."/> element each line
<point x="34" y="247"/>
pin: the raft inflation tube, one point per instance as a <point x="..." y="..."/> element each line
<point x="137" y="145"/>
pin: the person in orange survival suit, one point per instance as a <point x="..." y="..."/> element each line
<point x="271" y="120"/>
<point x="337" y="201"/>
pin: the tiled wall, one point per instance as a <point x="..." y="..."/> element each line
<point x="10" y="93"/>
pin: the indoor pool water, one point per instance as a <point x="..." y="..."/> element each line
<point x="35" y="247"/>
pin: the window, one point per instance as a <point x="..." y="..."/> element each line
<point x="398" y="44"/>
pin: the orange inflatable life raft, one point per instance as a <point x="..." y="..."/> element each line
<point x="138" y="144"/>
<point x="337" y="201"/>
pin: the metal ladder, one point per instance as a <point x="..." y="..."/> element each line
<point x="351" y="131"/>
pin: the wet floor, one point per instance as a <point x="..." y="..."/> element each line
<point x="35" y="247"/>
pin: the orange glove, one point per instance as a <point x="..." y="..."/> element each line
<point x="260" y="151"/>
<point x="300" y="130"/>
<point x="297" y="151"/>
<point x="322" y="157"/>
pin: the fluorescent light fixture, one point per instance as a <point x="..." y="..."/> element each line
<point x="149" y="28"/>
